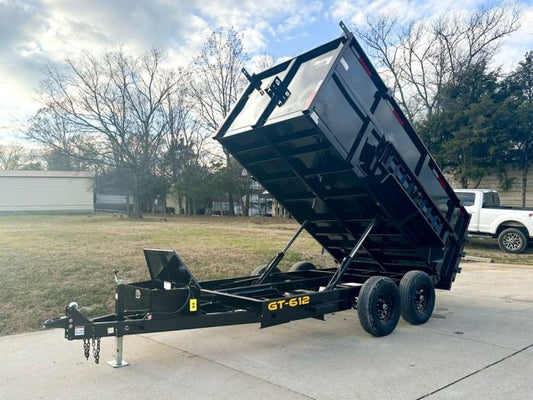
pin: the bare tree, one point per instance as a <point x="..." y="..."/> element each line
<point x="216" y="81"/>
<point x="263" y="61"/>
<point x="14" y="157"/>
<point x="186" y="156"/>
<point x="109" y="110"/>
<point x="421" y="58"/>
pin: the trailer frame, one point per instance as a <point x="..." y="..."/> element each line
<point x="269" y="299"/>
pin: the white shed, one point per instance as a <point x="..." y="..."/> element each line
<point x="60" y="191"/>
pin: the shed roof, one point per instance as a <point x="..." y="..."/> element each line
<point x="47" y="174"/>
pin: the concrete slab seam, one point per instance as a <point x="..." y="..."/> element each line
<point x="476" y="372"/>
<point x="228" y="367"/>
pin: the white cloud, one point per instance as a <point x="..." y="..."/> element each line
<point x="356" y="12"/>
<point x="253" y="40"/>
<point x="307" y="14"/>
<point x="241" y="14"/>
<point x="36" y="33"/>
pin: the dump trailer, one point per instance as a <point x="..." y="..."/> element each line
<point x="323" y="134"/>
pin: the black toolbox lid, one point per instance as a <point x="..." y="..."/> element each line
<point x="166" y="265"/>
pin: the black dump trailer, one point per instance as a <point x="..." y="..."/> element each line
<point x="323" y="134"/>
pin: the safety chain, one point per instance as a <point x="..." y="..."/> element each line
<point x="95" y="342"/>
<point x="96" y="349"/>
<point x="86" y="348"/>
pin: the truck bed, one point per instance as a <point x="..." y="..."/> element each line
<point x="323" y="135"/>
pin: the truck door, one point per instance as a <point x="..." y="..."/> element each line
<point x="469" y="202"/>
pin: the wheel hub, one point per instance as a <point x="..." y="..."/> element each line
<point x="421" y="300"/>
<point x="385" y="308"/>
<point x="512" y="241"/>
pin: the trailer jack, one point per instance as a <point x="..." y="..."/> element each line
<point x="118" y="362"/>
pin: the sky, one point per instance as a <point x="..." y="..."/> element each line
<point x="39" y="33"/>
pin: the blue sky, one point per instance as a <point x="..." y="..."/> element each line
<point x="35" y="33"/>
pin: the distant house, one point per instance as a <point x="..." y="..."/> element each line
<point x="113" y="202"/>
<point x="260" y="200"/>
<point x="43" y="191"/>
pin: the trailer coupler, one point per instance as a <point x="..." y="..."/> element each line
<point x="77" y="326"/>
<point x="58" y="322"/>
<point x="72" y="317"/>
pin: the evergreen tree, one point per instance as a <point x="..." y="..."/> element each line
<point x="519" y="112"/>
<point x="463" y="132"/>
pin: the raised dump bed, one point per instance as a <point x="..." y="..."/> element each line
<point x="322" y="133"/>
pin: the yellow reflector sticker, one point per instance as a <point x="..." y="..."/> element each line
<point x="193" y="305"/>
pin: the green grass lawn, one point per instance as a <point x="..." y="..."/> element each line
<point x="47" y="261"/>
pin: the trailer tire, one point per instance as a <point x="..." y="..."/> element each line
<point x="378" y="306"/>
<point x="302" y="266"/>
<point x="417" y="294"/>
<point x="259" y="270"/>
<point x="512" y="240"/>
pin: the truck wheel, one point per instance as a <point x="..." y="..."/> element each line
<point x="302" y="266"/>
<point x="417" y="295"/>
<point x="378" y="306"/>
<point x="259" y="270"/>
<point x="512" y="240"/>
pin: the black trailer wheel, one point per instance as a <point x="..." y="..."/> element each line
<point x="512" y="240"/>
<point x="378" y="306"/>
<point x="259" y="270"/>
<point x="417" y="295"/>
<point x="302" y="266"/>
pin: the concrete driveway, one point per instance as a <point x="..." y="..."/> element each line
<point x="477" y="345"/>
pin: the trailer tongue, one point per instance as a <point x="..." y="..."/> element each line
<point x="323" y="135"/>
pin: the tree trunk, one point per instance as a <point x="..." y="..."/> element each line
<point x="128" y="209"/>
<point x="136" y="210"/>
<point x="247" y="204"/>
<point x="231" y="210"/>
<point x="464" y="182"/>
<point x="525" y="171"/>
<point x="231" y="204"/>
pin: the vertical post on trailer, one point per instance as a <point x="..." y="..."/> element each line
<point x="119" y="339"/>
<point x="118" y="361"/>
<point x="276" y="260"/>
<point x="348" y="259"/>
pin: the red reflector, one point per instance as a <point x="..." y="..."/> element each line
<point x="440" y="178"/>
<point x="398" y="117"/>
<point x="365" y="66"/>
<point x="531" y="215"/>
<point x="311" y="97"/>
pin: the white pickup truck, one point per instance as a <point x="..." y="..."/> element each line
<point x="512" y="226"/>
